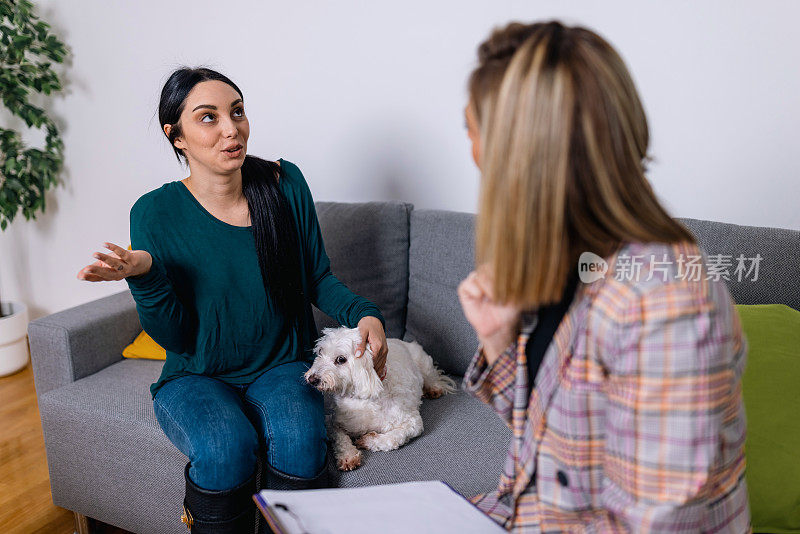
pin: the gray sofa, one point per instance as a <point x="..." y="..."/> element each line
<point x="108" y="458"/>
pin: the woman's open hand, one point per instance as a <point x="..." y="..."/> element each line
<point x="496" y="324"/>
<point x="371" y="330"/>
<point x="117" y="265"/>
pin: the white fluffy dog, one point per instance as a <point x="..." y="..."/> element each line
<point x="382" y="415"/>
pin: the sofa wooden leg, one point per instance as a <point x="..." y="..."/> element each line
<point x="81" y="524"/>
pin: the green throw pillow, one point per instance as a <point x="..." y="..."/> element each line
<point x="771" y="391"/>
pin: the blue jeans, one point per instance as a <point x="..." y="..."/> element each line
<point x="222" y="428"/>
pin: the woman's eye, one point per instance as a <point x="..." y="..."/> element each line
<point x="340" y="360"/>
<point x="208" y="116"/>
<point x="238" y="112"/>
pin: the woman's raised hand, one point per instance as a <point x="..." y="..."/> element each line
<point x="120" y="263"/>
<point x="496" y="324"/>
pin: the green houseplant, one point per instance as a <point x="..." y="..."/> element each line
<point x="27" y="51"/>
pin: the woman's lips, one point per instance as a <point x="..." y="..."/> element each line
<point x="235" y="152"/>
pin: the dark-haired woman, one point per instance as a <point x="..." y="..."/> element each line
<point x="224" y="268"/>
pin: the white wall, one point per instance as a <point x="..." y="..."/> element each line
<point x="367" y="97"/>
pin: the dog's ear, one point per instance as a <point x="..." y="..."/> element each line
<point x="366" y="384"/>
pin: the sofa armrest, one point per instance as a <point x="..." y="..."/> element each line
<point x="71" y="344"/>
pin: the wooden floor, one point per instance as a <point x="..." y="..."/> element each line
<point x="26" y="505"/>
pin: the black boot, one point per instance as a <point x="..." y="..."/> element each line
<point x="230" y="511"/>
<point x="278" y="480"/>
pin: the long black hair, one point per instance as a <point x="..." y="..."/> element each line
<point x="276" y="238"/>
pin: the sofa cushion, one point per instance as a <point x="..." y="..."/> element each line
<point x="778" y="277"/>
<point x="109" y="459"/>
<point x="106" y="454"/>
<point x="367" y="244"/>
<point x="464" y="444"/>
<point x="772" y="402"/>
<point x="441" y="254"/>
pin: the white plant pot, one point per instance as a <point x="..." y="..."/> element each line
<point x="13" y="338"/>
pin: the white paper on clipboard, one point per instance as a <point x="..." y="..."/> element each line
<point x="419" y="507"/>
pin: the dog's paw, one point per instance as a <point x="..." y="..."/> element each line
<point x="364" y="441"/>
<point x="348" y="462"/>
<point x="433" y="392"/>
<point x="373" y="441"/>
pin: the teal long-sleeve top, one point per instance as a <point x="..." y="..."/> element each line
<point x="203" y="299"/>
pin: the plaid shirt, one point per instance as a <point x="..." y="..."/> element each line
<point x="635" y="422"/>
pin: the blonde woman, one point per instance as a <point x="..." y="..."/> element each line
<point x="622" y="390"/>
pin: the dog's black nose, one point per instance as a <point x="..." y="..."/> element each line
<point x="313" y="380"/>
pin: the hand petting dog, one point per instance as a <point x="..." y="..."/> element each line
<point x="371" y="330"/>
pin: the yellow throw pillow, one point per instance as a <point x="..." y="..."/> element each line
<point x="144" y="346"/>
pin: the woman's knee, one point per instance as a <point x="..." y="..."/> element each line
<point x="291" y="417"/>
<point x="225" y="460"/>
<point x="300" y="453"/>
<point x="206" y="421"/>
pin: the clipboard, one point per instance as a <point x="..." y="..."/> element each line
<point x="419" y="507"/>
<point x="270" y="515"/>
